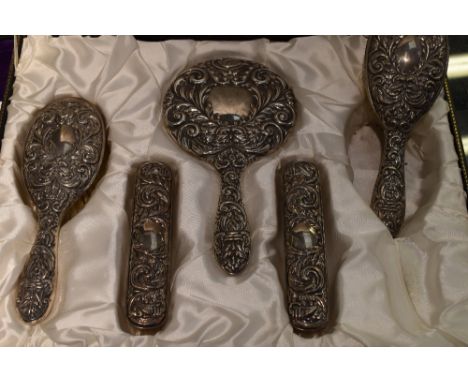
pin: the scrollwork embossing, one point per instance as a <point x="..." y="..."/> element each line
<point x="404" y="76"/>
<point x="63" y="152"/>
<point x="305" y="247"/>
<point x="148" y="274"/>
<point x="229" y="141"/>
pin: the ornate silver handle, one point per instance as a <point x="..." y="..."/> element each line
<point x="37" y="280"/>
<point x="388" y="199"/>
<point x="306" y="263"/>
<point x="232" y="236"/>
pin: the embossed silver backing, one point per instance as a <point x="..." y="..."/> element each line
<point x="405" y="75"/>
<point x="149" y="262"/>
<point x="306" y="263"/>
<point x="229" y="112"/>
<point x="63" y="152"/>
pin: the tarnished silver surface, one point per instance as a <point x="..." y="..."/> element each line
<point x="63" y="152"/>
<point x="306" y="263"/>
<point x="229" y="112"/>
<point x="404" y="77"/>
<point x="149" y="263"/>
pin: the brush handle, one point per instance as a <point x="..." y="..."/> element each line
<point x="37" y="280"/>
<point x="388" y="199"/>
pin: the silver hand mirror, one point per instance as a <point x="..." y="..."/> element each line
<point x="404" y="77"/>
<point x="63" y="152"/>
<point x="229" y="112"/>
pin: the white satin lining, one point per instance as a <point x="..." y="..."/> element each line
<point x="408" y="291"/>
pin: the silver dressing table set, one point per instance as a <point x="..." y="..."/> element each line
<point x="228" y="112"/>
